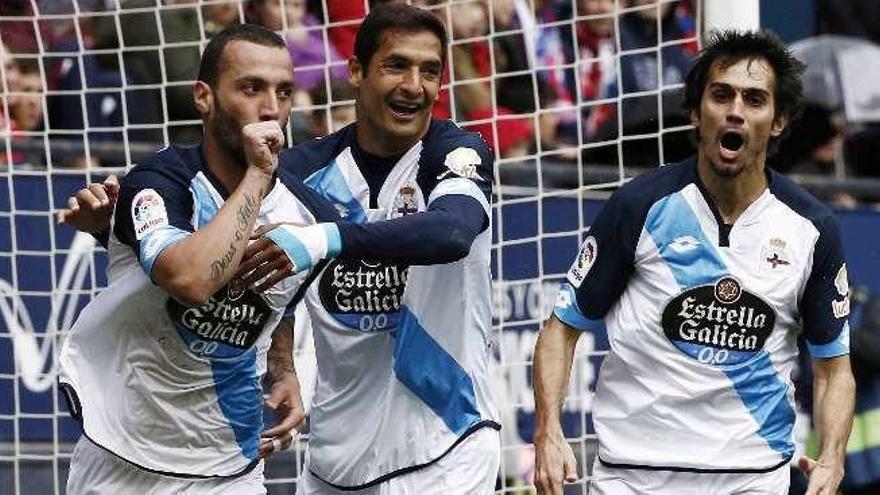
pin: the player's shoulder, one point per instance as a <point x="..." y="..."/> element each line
<point x="173" y="163"/>
<point x="446" y="146"/>
<point x="639" y="194"/>
<point x="306" y="158"/>
<point x="800" y="201"/>
<point x="322" y="209"/>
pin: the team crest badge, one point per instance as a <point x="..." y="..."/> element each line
<point x="775" y="257"/>
<point x="147" y="212"/>
<point x="583" y="262"/>
<point x="462" y="162"/>
<point x="406" y="202"/>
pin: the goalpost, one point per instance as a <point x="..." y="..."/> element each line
<point x="548" y="189"/>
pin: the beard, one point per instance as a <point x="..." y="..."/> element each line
<point x="227" y="129"/>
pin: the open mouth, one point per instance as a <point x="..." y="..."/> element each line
<point x="731" y="143"/>
<point x="404" y="110"/>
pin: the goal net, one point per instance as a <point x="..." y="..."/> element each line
<point x="574" y="97"/>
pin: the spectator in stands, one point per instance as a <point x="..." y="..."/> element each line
<point x="592" y="50"/>
<point x="26" y="114"/>
<point x="8" y="79"/>
<point x="305" y="41"/>
<point x="657" y="69"/>
<point x="473" y="92"/>
<point x="26" y="104"/>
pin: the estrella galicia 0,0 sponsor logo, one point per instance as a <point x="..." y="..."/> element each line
<point x="225" y="326"/>
<point x="363" y="295"/>
<point x="719" y="324"/>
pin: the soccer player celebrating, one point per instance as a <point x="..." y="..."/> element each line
<point x="163" y="368"/>
<point x="704" y="272"/>
<point x="401" y="312"/>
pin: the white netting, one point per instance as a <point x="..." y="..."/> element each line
<point x="93" y="85"/>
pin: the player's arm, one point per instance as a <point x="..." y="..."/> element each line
<point x="284" y="390"/>
<point x="834" y="399"/>
<point x="824" y="308"/>
<point x="554" y="459"/>
<point x="195" y="267"/>
<point x="442" y="234"/>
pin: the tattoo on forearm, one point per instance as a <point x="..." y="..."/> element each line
<point x="244" y="218"/>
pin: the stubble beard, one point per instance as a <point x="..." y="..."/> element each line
<point x="228" y="132"/>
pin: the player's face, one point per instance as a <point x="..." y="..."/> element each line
<point x="736" y="117"/>
<point x="254" y="83"/>
<point x="396" y="92"/>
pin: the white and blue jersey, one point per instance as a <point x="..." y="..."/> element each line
<point x="703" y="319"/>
<point x="172" y="388"/>
<point x="402" y="338"/>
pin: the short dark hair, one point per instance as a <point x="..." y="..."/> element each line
<point x="728" y="47"/>
<point x="390" y="16"/>
<point x="209" y="68"/>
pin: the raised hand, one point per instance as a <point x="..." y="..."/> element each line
<point x="89" y="210"/>
<point x="262" y="142"/>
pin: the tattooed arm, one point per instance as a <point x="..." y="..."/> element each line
<point x="196" y="267"/>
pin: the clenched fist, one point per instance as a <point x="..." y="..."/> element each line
<point x="262" y="142"/>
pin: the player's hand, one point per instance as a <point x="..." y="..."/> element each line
<point x="554" y="463"/>
<point x="262" y="142"/>
<point x="824" y="476"/>
<point x="263" y="262"/>
<point x="89" y="210"/>
<point x="284" y="399"/>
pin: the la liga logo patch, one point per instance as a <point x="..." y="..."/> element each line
<point x="148" y="213"/>
<point x="583" y="262"/>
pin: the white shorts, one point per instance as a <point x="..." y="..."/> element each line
<point x="94" y="471"/>
<point x="471" y="468"/>
<point x="618" y="481"/>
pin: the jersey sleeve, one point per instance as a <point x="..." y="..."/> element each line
<point x="153" y="212"/>
<point x="600" y="270"/>
<point x="466" y="169"/>
<point x="824" y="304"/>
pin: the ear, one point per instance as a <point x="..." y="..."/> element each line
<point x="355" y="71"/>
<point x="203" y="97"/>
<point x="694" y="116"/>
<point x="779" y="125"/>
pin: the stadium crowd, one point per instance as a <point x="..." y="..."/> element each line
<point x="542" y="73"/>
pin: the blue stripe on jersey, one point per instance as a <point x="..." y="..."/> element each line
<point x="205" y="205"/>
<point x="331" y="184"/>
<point x="693" y="264"/>
<point x="155" y="242"/>
<point x="239" y="396"/>
<point x="569" y="313"/>
<point x="837" y="347"/>
<point x="764" y="394"/>
<point x="434" y="376"/>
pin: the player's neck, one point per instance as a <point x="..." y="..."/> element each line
<point x="733" y="195"/>
<point x="383" y="144"/>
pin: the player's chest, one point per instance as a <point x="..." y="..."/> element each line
<point x="765" y="261"/>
